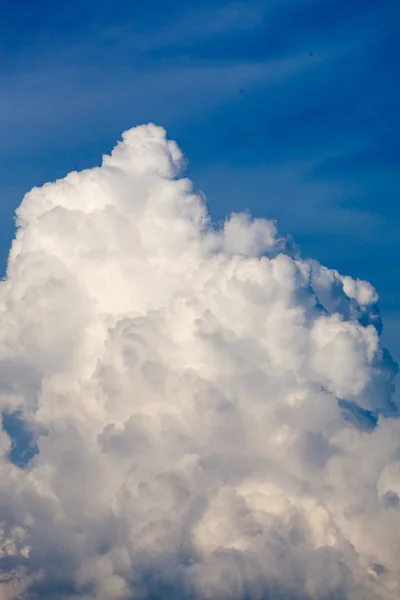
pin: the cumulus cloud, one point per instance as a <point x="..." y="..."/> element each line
<point x="212" y="414"/>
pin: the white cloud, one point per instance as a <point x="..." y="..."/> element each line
<point x="191" y="392"/>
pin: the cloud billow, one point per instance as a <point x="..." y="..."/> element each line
<point x="212" y="414"/>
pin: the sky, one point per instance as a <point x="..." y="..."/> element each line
<point x="287" y="108"/>
<point x="215" y="399"/>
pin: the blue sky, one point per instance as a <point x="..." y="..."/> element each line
<point x="287" y="107"/>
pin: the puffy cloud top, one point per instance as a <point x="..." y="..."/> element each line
<point x="212" y="414"/>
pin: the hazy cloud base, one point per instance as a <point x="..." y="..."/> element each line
<point x="213" y="415"/>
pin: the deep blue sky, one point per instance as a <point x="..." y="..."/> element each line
<point x="287" y="107"/>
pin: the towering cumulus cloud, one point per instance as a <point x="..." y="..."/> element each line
<point x="212" y="415"/>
